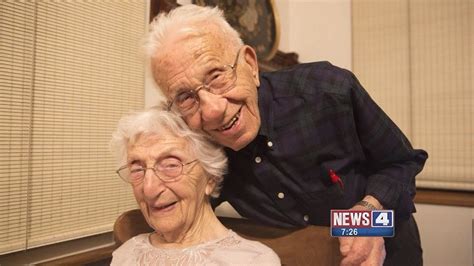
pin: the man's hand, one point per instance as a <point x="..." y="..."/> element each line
<point x="363" y="250"/>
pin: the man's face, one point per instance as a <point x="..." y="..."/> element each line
<point x="232" y="119"/>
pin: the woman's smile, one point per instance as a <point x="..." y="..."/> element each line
<point x="163" y="208"/>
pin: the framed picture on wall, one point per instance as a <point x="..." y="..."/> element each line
<point x="256" y="20"/>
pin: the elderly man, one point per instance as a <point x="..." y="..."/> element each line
<point x="300" y="141"/>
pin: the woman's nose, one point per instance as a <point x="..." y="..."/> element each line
<point x="212" y="106"/>
<point x="152" y="185"/>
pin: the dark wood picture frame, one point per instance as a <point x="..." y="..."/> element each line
<point x="257" y="22"/>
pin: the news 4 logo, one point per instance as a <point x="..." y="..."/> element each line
<point x="382" y="219"/>
<point x="362" y="223"/>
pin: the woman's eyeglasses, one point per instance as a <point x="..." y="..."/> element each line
<point x="167" y="170"/>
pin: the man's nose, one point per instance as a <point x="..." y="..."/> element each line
<point x="152" y="185"/>
<point x="212" y="106"/>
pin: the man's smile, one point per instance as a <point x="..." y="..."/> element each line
<point x="232" y="121"/>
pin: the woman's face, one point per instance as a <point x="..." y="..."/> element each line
<point x="169" y="207"/>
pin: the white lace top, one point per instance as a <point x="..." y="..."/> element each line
<point x="228" y="250"/>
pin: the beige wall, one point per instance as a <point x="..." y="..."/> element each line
<point x="446" y="234"/>
<point x="319" y="30"/>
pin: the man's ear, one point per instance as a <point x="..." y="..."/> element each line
<point x="251" y="59"/>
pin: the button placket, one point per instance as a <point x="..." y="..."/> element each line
<point x="270" y="176"/>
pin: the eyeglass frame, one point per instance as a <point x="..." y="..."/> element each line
<point x="174" y="179"/>
<point x="196" y="90"/>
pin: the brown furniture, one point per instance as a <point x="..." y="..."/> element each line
<point x="312" y="245"/>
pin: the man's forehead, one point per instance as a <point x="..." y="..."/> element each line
<point x="182" y="52"/>
<point x="193" y="46"/>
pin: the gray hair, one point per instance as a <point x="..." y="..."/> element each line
<point x="190" y="19"/>
<point x="156" y="120"/>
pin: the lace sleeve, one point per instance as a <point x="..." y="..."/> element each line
<point x="124" y="254"/>
<point x="267" y="258"/>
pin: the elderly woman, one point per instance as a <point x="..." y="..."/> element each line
<point x="173" y="172"/>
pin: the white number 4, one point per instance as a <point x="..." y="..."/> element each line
<point x="383" y="219"/>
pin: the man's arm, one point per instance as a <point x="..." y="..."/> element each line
<point x="392" y="160"/>
<point x="393" y="164"/>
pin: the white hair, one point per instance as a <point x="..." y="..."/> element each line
<point x="189" y="19"/>
<point x="155" y="121"/>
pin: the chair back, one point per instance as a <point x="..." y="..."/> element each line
<point x="128" y="225"/>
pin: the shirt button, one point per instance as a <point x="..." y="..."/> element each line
<point x="306" y="218"/>
<point x="270" y="144"/>
<point x="258" y="159"/>
<point x="281" y="195"/>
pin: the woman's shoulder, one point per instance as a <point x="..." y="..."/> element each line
<point x="231" y="249"/>
<point x="142" y="239"/>
<point x="243" y="242"/>
<point x="244" y="251"/>
<point x="123" y="254"/>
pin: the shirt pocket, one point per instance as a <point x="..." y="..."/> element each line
<point x="324" y="194"/>
<point x="318" y="201"/>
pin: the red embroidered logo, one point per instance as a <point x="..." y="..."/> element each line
<point x="335" y="178"/>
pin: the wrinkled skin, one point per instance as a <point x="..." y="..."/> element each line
<point x="179" y="211"/>
<point x="185" y="62"/>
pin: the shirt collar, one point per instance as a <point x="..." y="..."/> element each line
<point x="265" y="100"/>
<point x="266" y="113"/>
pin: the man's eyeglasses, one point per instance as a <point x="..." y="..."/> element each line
<point x="167" y="170"/>
<point x="186" y="102"/>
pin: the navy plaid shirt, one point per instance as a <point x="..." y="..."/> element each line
<point x="317" y="118"/>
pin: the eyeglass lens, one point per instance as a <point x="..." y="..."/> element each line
<point x="187" y="102"/>
<point x="167" y="169"/>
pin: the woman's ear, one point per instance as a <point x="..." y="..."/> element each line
<point x="210" y="186"/>
<point x="251" y="59"/>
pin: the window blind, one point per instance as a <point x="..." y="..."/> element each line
<point x="416" y="59"/>
<point x="68" y="71"/>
